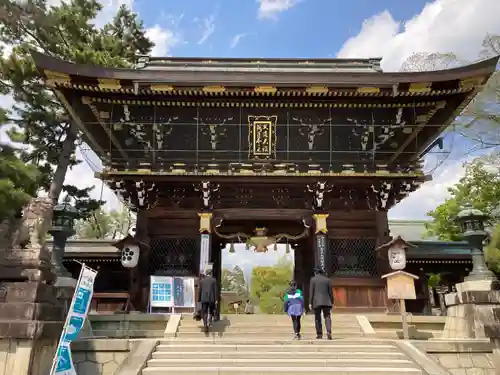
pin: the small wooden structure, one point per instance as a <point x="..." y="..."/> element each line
<point x="314" y="151"/>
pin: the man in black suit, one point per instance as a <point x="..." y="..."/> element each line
<point x="207" y="296"/>
<point x="321" y="302"/>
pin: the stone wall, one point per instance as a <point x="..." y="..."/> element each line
<point x="461" y="357"/>
<point x="466" y="363"/>
<point x="17" y="355"/>
<point x="99" y="356"/>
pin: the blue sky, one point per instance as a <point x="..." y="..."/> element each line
<point x="310" y="28"/>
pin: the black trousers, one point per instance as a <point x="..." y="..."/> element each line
<point x="326" y="311"/>
<point x="296" y="324"/>
<point x="207" y="313"/>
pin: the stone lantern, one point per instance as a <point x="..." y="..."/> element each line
<point x="472" y="225"/>
<point x="62" y="228"/>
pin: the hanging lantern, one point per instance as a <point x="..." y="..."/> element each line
<point x="231" y="248"/>
<point x="287" y="248"/>
<point x="275" y="247"/>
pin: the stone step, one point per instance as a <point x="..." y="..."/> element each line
<point x="257" y="355"/>
<point x="280" y="362"/>
<point x="267" y="342"/>
<point x="282" y="370"/>
<point x="260" y="330"/>
<point x="299" y="346"/>
<point x="266" y="325"/>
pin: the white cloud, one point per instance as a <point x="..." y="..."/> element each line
<point x="237" y="39"/>
<point x="208" y="27"/>
<point x="82" y="176"/>
<point x="457" y="26"/>
<point x="430" y="194"/>
<point x="270" y="9"/>
<point x="164" y="40"/>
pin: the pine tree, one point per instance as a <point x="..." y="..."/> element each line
<point x="68" y="32"/>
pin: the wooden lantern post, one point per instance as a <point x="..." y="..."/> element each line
<point x="400" y="284"/>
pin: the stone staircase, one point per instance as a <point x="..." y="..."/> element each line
<point x="262" y="344"/>
<point x="318" y="357"/>
<point x="263" y="326"/>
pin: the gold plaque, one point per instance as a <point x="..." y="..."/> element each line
<point x="321" y="226"/>
<point x="262" y="137"/>
<point x="205" y="218"/>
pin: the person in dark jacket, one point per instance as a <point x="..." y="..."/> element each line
<point x="207" y="297"/>
<point x="321" y="302"/>
<point x="294" y="307"/>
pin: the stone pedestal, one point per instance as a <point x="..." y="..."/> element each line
<point x="31" y="316"/>
<point x="470" y="309"/>
<point x="65" y="289"/>
<point x="493" y="332"/>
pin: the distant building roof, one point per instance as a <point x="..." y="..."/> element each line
<point x="409" y="230"/>
<point x="370" y="65"/>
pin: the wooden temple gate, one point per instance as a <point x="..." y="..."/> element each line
<point x="309" y="153"/>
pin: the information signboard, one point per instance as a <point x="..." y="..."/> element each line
<point x="161" y="291"/>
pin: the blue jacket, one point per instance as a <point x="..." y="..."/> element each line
<point x="294" y="303"/>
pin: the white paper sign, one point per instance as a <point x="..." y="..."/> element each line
<point x="397" y="258"/>
<point x="204" y="252"/>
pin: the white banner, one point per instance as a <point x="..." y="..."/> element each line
<point x="78" y="311"/>
<point x="184" y="292"/>
<point x="161" y="291"/>
<point x="204" y="252"/>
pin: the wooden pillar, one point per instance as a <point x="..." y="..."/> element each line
<point x="321" y="250"/>
<point x="139" y="277"/>
<point x="383" y="236"/>
<point x="205" y="253"/>
<point x="306" y="250"/>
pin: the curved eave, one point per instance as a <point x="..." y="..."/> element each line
<point x="92" y="78"/>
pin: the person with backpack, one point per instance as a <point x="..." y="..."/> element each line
<point x="294" y="307"/>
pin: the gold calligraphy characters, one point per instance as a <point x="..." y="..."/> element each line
<point x="262" y="137"/>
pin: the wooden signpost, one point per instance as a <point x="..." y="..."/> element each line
<point x="401" y="286"/>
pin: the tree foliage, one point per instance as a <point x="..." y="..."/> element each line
<point x="99" y="224"/>
<point x="234" y="281"/>
<point x="66" y="31"/>
<point x="18" y="181"/>
<point x="492" y="251"/>
<point x="480" y="121"/>
<point x="480" y="187"/>
<point x="425" y="62"/>
<point x="268" y="283"/>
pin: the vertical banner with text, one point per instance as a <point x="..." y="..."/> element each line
<point x="78" y="311"/>
<point x="204" y="252"/>
<point x="322" y="260"/>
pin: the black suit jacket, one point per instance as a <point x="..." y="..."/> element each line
<point x="320" y="291"/>
<point x="208" y="290"/>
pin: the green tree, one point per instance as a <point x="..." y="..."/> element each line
<point x="234" y="281"/>
<point x="99" y="224"/>
<point x="480" y="187"/>
<point x="492" y="251"/>
<point x="67" y="31"/>
<point x="18" y="181"/>
<point x="269" y="282"/>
